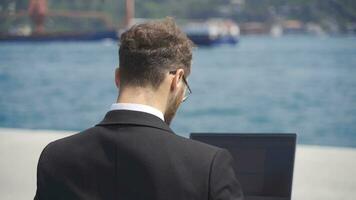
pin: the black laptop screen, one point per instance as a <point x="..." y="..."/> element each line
<point x="263" y="162"/>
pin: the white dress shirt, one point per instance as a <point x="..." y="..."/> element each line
<point x="137" y="107"/>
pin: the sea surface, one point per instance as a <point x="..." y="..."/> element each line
<point x="293" y="84"/>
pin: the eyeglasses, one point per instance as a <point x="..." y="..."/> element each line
<point x="187" y="92"/>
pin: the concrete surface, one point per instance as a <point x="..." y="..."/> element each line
<point x="321" y="173"/>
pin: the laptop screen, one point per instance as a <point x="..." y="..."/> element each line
<point x="263" y="162"/>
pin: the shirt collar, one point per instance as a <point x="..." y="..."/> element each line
<point x="138" y="107"/>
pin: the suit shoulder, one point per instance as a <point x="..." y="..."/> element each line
<point x="76" y="138"/>
<point x="197" y="148"/>
<point x="69" y="144"/>
<point x="198" y="144"/>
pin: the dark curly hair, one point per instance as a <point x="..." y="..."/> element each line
<point x="149" y="50"/>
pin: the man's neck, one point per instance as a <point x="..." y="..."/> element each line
<point x="141" y="96"/>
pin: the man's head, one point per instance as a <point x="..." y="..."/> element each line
<point x="155" y="58"/>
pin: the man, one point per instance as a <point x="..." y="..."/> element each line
<point x="132" y="154"/>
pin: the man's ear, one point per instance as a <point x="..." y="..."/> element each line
<point x="117" y="77"/>
<point x="176" y="81"/>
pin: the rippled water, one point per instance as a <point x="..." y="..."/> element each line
<point x="293" y="84"/>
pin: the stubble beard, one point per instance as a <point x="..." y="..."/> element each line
<point x="172" y="109"/>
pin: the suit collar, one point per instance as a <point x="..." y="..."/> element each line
<point x="128" y="117"/>
<point x="138" y="107"/>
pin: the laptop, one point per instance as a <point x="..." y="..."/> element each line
<point x="263" y="162"/>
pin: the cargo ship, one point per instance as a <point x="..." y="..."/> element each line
<point x="38" y="13"/>
<point x="61" y="36"/>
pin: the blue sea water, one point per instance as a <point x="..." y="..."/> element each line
<point x="295" y="84"/>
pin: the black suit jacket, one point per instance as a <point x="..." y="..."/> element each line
<point x="134" y="156"/>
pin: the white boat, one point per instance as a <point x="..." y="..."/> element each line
<point x="213" y="32"/>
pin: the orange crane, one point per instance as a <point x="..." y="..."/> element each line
<point x="38" y="10"/>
